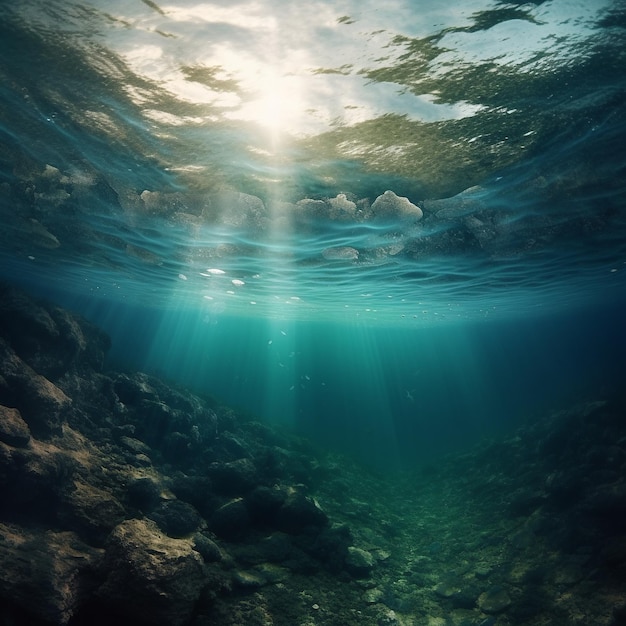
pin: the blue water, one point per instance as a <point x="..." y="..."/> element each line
<point x="203" y="181"/>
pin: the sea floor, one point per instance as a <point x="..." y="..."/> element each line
<point x="505" y="534"/>
<point x="127" y="499"/>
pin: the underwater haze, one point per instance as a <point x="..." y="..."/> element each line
<point x="395" y="228"/>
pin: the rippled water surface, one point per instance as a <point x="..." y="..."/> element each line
<point x="229" y="154"/>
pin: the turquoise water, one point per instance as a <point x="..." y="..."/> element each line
<point x="208" y="183"/>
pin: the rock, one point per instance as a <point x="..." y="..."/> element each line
<point x="359" y="562"/>
<point x="264" y="503"/>
<point x="388" y="617"/>
<point x="14" y="430"/>
<point x="330" y="546"/>
<point x="447" y="588"/>
<point x="494" y="600"/>
<point x="207" y="548"/>
<point x="41" y="404"/>
<point x="197" y="490"/>
<point x="390" y="206"/>
<point x="374" y="595"/>
<point x="248" y="580"/>
<point x="151" y="577"/>
<point x="33" y="478"/>
<point x="235" y="477"/>
<point x="48" y="574"/>
<point x="176" y="518"/>
<point x="275" y="548"/>
<point x="231" y="520"/>
<point x="177" y="448"/>
<point x="342" y="205"/>
<point x="90" y="511"/>
<point x="272" y="573"/>
<point x="47" y="338"/>
<point x="483" y="571"/>
<point x="299" y="512"/>
<point x="135" y="445"/>
<point x="132" y="389"/>
<point x="144" y="493"/>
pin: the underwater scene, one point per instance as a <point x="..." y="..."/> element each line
<point x="313" y="313"/>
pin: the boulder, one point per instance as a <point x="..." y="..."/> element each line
<point x="151" y="577"/>
<point x="14" y="430"/>
<point x="494" y="600"/>
<point x="359" y="562"/>
<point x="391" y="206"/>
<point x="264" y="503"/>
<point x="235" y="477"/>
<point x="143" y="493"/>
<point x="48" y="574"/>
<point x="90" y="511"/>
<point x="33" y="478"/>
<point x="231" y="520"/>
<point x="176" y="518"/>
<point x="41" y="403"/>
<point x="299" y="513"/>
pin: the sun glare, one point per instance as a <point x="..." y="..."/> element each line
<point x="276" y="104"/>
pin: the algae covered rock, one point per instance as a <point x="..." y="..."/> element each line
<point x="14" y="430"/>
<point x="494" y="600"/>
<point x="42" y="404"/>
<point x="359" y="562"/>
<point x="151" y="577"/>
<point x="48" y="574"/>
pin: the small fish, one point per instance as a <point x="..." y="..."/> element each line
<point x="282" y="332"/>
<point x="409" y="395"/>
<point x="307" y="377"/>
<point x="269" y="343"/>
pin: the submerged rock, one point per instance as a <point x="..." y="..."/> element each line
<point x="41" y="403"/>
<point x="299" y="512"/>
<point x="494" y="600"/>
<point x="389" y="205"/>
<point x="14" y="430"/>
<point x="359" y="562"/>
<point x="151" y="577"/>
<point x="231" y="520"/>
<point x="49" y="574"/>
<point x="176" y="518"/>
